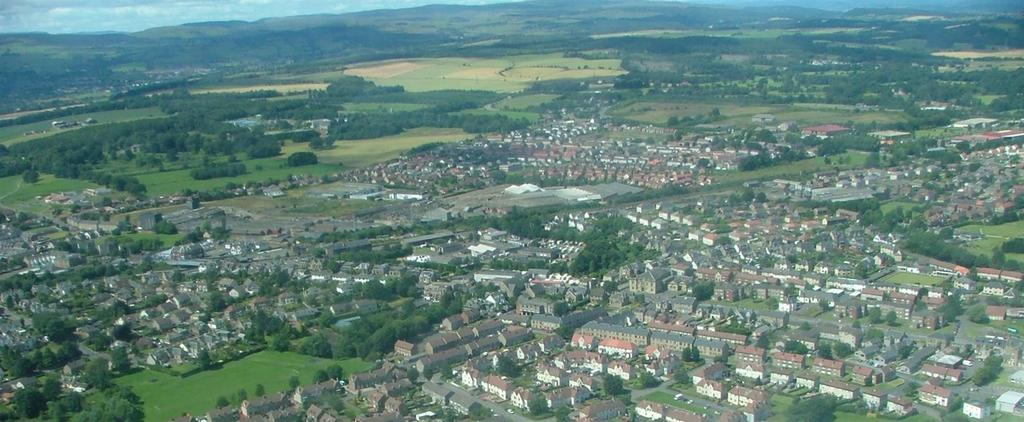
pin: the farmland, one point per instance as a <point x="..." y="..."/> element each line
<point x="166" y="396"/>
<point x="972" y="54"/>
<point x="844" y="161"/>
<point x="523" y="102"/>
<point x="11" y="135"/>
<point x="727" y="33"/>
<point x="15" y="191"/>
<point x="509" y="74"/>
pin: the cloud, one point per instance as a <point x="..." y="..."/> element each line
<point x="68" y="16"/>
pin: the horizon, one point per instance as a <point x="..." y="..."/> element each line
<point x="127" y="16"/>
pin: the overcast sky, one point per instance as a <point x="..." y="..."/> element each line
<point x="63" y="16"/>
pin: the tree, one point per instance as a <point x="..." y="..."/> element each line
<point x="242" y="395"/>
<point x="29" y="403"/>
<point x="793" y="346"/>
<point x="891" y="319"/>
<point x="613" y="385"/>
<point x="561" y="308"/>
<point x="122" y="405"/>
<point x="842" y="350"/>
<point x="989" y="370"/>
<point x="649" y="381"/>
<point x="222" y="401"/>
<point x="119" y="359"/>
<point x="538" y="405"/>
<point x="507" y="367"/>
<point x="316" y="345"/>
<point x="279" y="342"/>
<point x="818" y="409"/>
<point x="50" y="388"/>
<point x="337" y="372"/>
<point x="681" y="377"/>
<point x="825" y="350"/>
<point x="97" y="374"/>
<point x="299" y="159"/>
<point x="976" y="314"/>
<point x="320" y="376"/>
<point x="293" y="382"/>
<point x="704" y="291"/>
<point x="30" y="176"/>
<point x="562" y="414"/>
<point x="204" y="360"/>
<point x="260" y="390"/>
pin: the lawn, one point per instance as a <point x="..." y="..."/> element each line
<point x="993" y="237"/>
<point x="901" y="277"/>
<point x="261" y="169"/>
<point x="796" y="168"/>
<point x="165" y="397"/>
<point x="366" y="152"/>
<point x="904" y="206"/>
<point x="11" y="135"/>
<point x="507" y="74"/>
<point x="668" y="399"/>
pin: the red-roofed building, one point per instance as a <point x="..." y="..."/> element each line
<point x="824" y="131"/>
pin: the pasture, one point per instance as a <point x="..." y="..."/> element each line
<point x="843" y="161"/>
<point x="11" y="135"/>
<point x="165" y="397"/>
<point x="508" y="74"/>
<point x="14" y="191"/>
<point x="523" y="102"/>
<point x="727" y="33"/>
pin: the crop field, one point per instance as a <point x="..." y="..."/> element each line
<point x="739" y="114"/>
<point x="11" y="135"/>
<point x="165" y="397"/>
<point x="389" y="107"/>
<point x="901" y="277"/>
<point x="282" y="88"/>
<point x="507" y="74"/>
<point x="994" y="54"/>
<point x="366" y="152"/>
<point x="531" y="116"/>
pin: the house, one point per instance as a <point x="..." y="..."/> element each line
<point x="830" y="367"/>
<point x="743" y="396"/>
<point x="521" y="398"/>
<point x="712" y="371"/>
<point x="942" y="373"/>
<point x="616" y="347"/>
<point x="464" y="403"/>
<point x="874" y="398"/>
<point x="552" y="375"/>
<point x="976" y="409"/>
<point x="712" y="389"/>
<point x="649" y="410"/>
<point x="899" y="406"/>
<point x="438" y="394"/>
<point x="602" y="411"/>
<point x="752" y="371"/>
<point x="839" y="389"/>
<point x="496" y="386"/>
<point x="935" y="395"/>
<point x="1010" y="402"/>
<point x="750" y="354"/>
<point x="788" y="360"/>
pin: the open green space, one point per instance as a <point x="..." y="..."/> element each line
<point x="512" y="114"/>
<point x="14" y="190"/>
<point x="993" y="237"/>
<point x="295" y="204"/>
<point x="506" y="74"/>
<point x="11" y="135"/>
<point x="523" y="102"/>
<point x="904" y="206"/>
<point x="901" y="277"/>
<point x="261" y="169"/>
<point x="388" y="107"/>
<point x="770" y="33"/>
<point x="167" y="240"/>
<point x="843" y="161"/>
<point x="669" y="400"/>
<point x="165" y="397"/>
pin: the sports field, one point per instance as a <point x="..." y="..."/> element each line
<point x="13" y="190"/>
<point x="11" y="135"/>
<point x="506" y="74"/>
<point x="165" y="397"/>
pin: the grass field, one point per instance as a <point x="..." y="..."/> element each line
<point x="13" y="190"/>
<point x="512" y="114"/>
<point x="901" y="277"/>
<point x="523" y="102"/>
<point x="365" y="152"/>
<point x="993" y="237"/>
<point x="391" y="107"/>
<point x="994" y="54"/>
<point x="507" y="74"/>
<point x="797" y="168"/>
<point x="897" y="205"/>
<point x="165" y="397"/>
<point x="295" y="204"/>
<point x="167" y="240"/>
<point x="11" y="135"/>
<point x="261" y="169"/>
<point x="740" y="114"/>
<point x="282" y="88"/>
<point x="667" y="399"/>
<point x="729" y="33"/>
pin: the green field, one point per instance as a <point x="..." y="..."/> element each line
<point x="728" y="33"/>
<point x="165" y="397"/>
<point x="389" y="107"/>
<point x="523" y="102"/>
<point x="796" y="168"/>
<point x="740" y="114"/>
<point x="11" y="135"/>
<point x="668" y="399"/>
<point x="507" y="74"/>
<point x="904" y="206"/>
<point x="511" y="114"/>
<point x="167" y="240"/>
<point x="993" y="237"/>
<point x="901" y="277"/>
<point x="295" y="204"/>
<point x="13" y="190"/>
<point x="261" y="169"/>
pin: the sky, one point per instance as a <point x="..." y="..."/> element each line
<point x="68" y="16"/>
